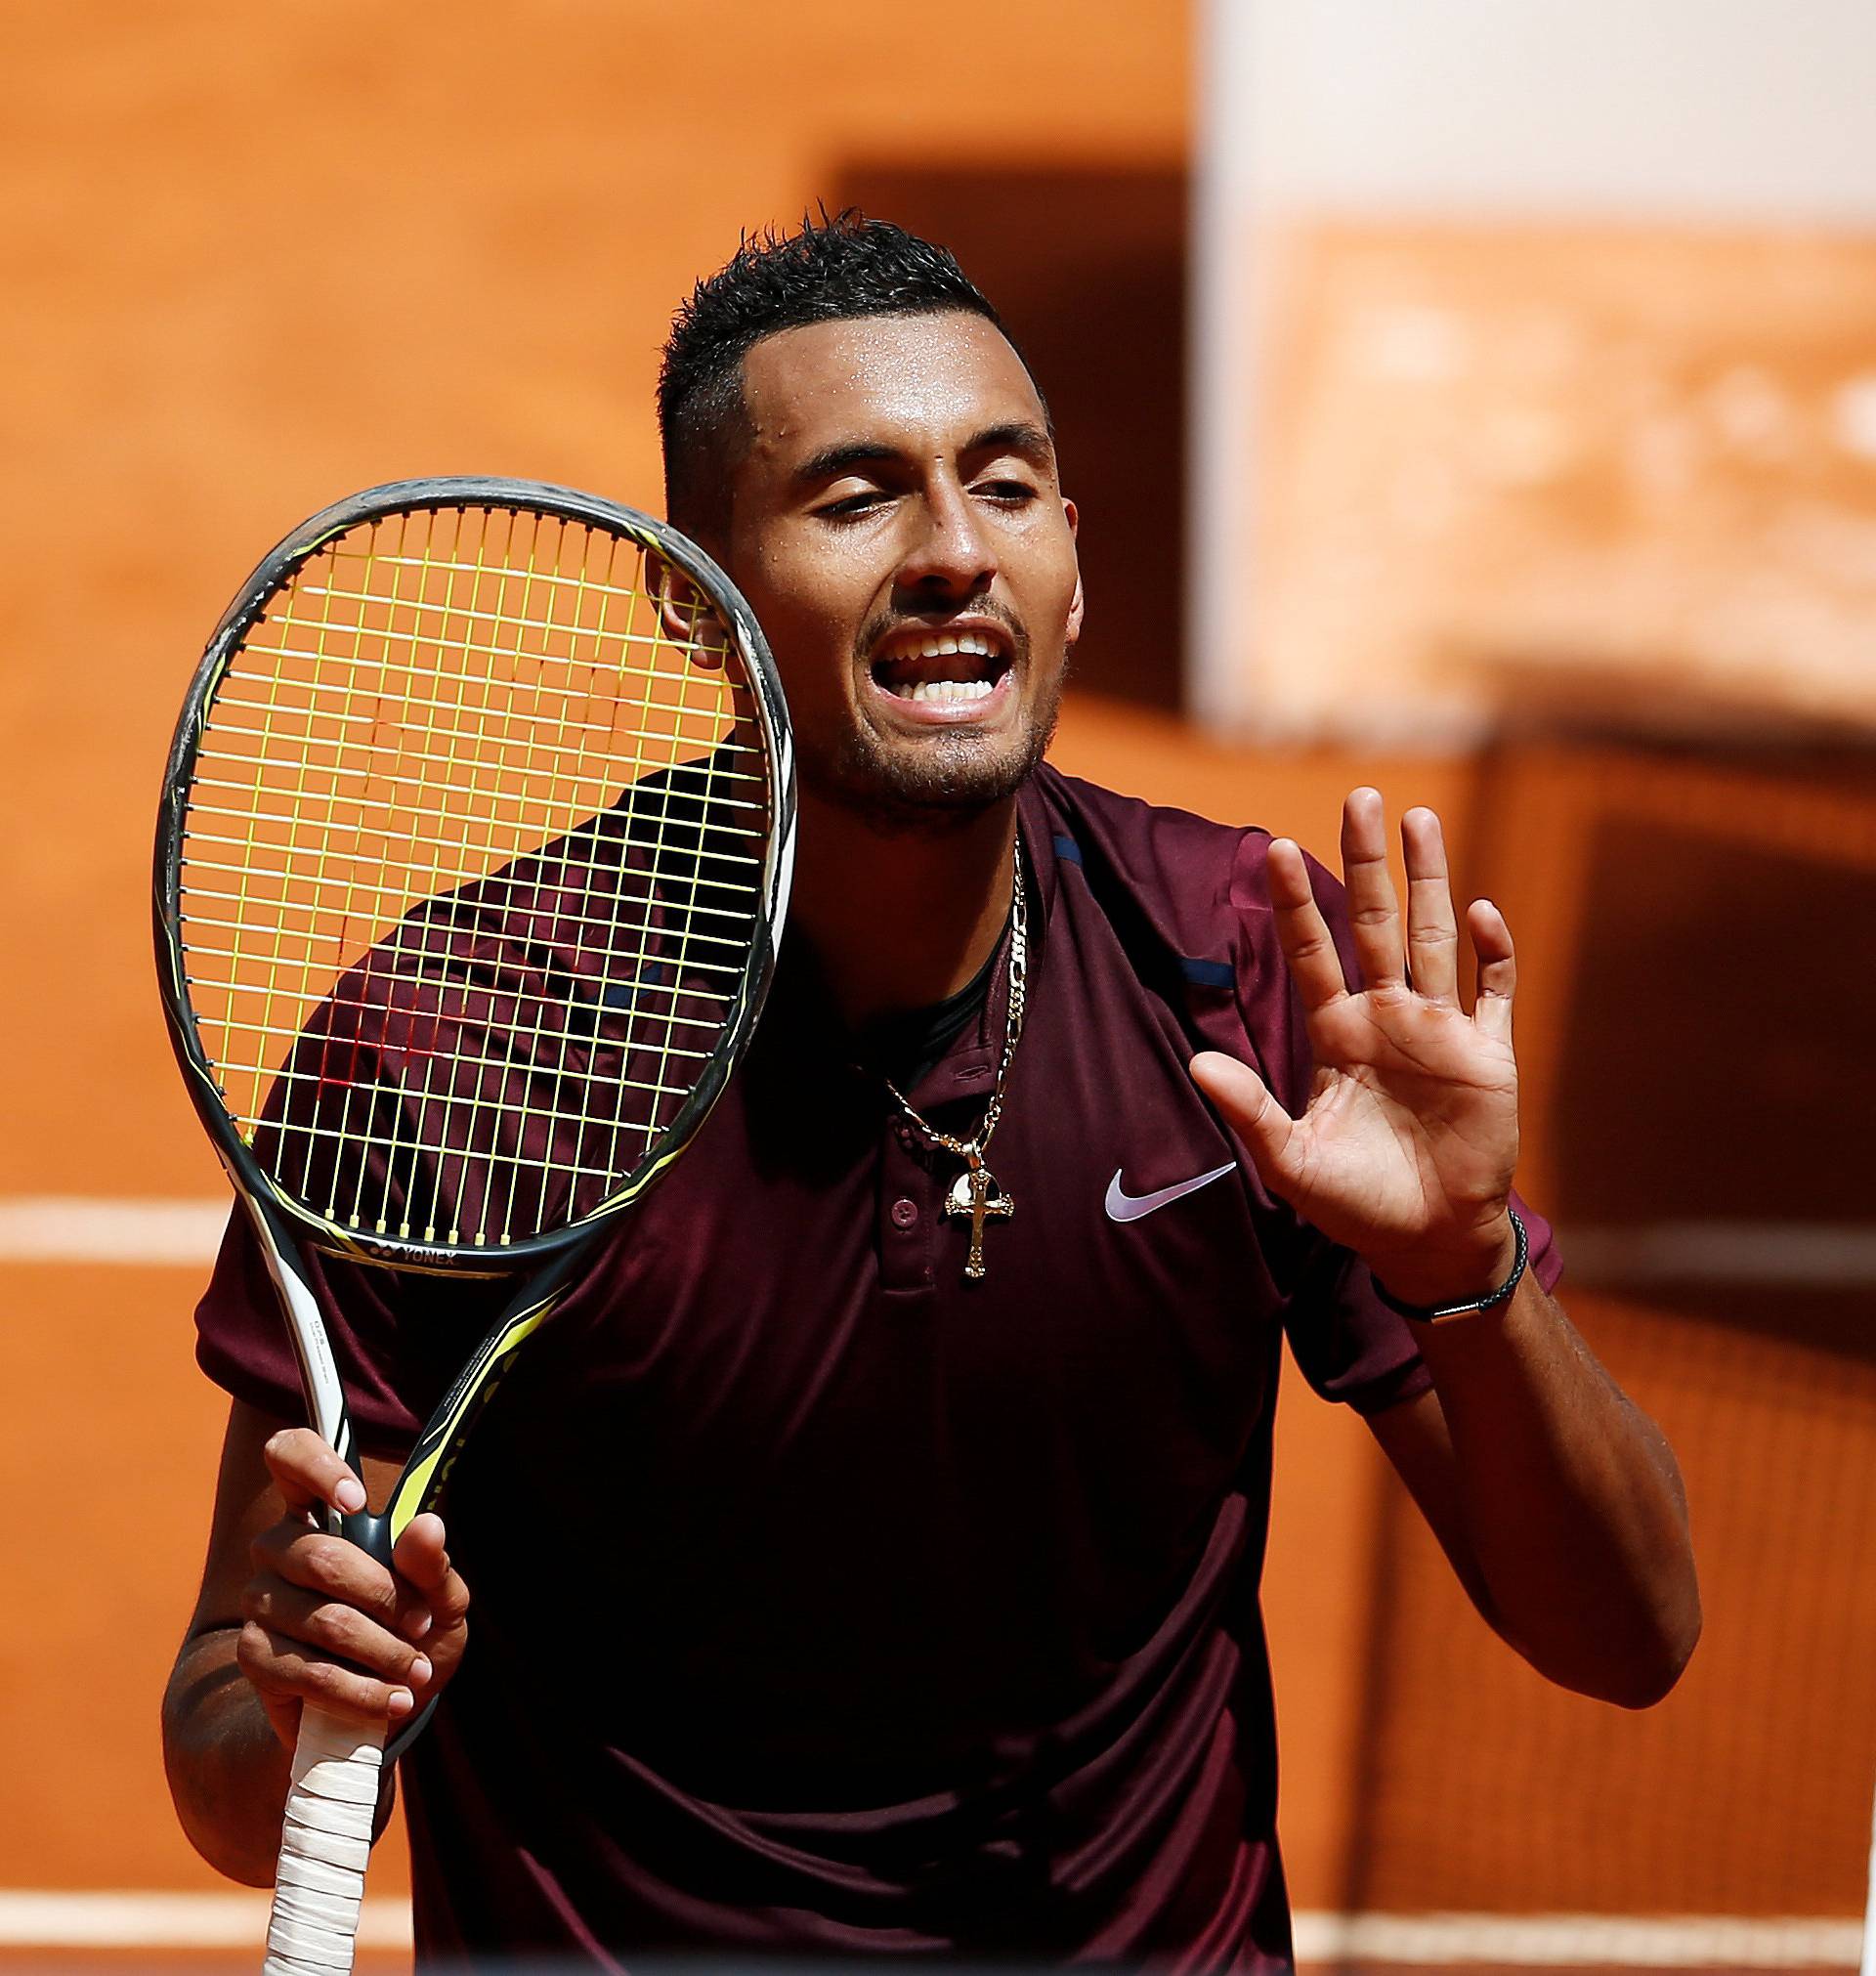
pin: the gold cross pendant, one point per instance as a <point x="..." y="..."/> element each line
<point x="972" y="1194"/>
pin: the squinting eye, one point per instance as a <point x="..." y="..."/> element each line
<point x="854" y="505"/>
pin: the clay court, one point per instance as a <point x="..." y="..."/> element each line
<point x="258" y="259"/>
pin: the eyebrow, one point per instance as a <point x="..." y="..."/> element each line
<point x="1019" y="436"/>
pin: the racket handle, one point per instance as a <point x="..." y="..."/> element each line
<point x="324" y="1844"/>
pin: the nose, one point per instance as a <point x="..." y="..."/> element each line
<point x="951" y="553"/>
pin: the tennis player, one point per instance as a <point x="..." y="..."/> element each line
<point x="865" y="1561"/>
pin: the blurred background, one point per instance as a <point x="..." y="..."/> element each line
<point x="1474" y="397"/>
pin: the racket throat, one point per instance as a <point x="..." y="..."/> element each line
<point x="369" y="1530"/>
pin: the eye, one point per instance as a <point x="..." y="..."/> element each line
<point x="849" y="507"/>
<point x="1007" y="489"/>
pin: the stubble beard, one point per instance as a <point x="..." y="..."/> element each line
<point x="936" y="784"/>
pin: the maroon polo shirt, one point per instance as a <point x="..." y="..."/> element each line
<point x="826" y="1603"/>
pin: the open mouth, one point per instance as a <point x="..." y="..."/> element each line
<point x="958" y="667"/>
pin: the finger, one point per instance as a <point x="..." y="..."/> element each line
<point x="423" y="1561"/>
<point x="1432" y="934"/>
<point x="1372" y="909"/>
<point x="282" y="1669"/>
<point x="339" y="1631"/>
<point x="1268" y="1132"/>
<point x="1302" y="932"/>
<point x="308" y="1475"/>
<point x="420" y="1553"/>
<point x="1497" y="968"/>
<point x="331" y="1567"/>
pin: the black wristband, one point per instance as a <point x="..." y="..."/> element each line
<point x="1432" y="1314"/>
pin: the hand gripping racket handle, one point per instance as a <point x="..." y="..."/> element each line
<point x="324" y="1845"/>
<point x="332" y="1801"/>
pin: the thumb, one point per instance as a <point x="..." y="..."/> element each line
<point x="420" y="1555"/>
<point x="1268" y="1130"/>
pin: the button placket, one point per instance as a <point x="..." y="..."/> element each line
<point x="907" y="1209"/>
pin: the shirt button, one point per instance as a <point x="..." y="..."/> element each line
<point x="904" y="1214"/>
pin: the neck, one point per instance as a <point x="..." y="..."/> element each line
<point x="900" y="920"/>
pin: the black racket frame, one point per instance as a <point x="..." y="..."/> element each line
<point x="270" y="576"/>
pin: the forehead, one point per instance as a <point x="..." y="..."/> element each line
<point x="919" y="383"/>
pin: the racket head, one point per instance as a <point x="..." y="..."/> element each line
<point x="491" y="660"/>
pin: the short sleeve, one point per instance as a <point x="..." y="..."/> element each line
<point x="1349" y="1345"/>
<point x="397" y="1338"/>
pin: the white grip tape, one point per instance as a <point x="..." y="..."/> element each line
<point x="324" y="1844"/>
<point x="320" y="1876"/>
<point x="332" y="1849"/>
<point x="332" y="1911"/>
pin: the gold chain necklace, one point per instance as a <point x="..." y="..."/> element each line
<point x="975" y="1192"/>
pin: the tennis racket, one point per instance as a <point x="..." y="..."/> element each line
<point x="473" y="854"/>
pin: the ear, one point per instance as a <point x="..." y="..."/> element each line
<point x="1074" y="522"/>
<point x="688" y="619"/>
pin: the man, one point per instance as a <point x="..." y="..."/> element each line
<point x="865" y="1559"/>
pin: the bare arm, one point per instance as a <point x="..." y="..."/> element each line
<point x="286" y="1614"/>
<point x="1557" y="1499"/>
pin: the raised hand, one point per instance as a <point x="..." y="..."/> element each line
<point x="1406" y="1150"/>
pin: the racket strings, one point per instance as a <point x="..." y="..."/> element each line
<point x="473" y="862"/>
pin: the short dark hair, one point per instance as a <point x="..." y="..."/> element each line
<point x="835" y="269"/>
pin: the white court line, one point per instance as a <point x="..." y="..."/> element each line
<point x="1868" y="1964"/>
<point x="122" y="1921"/>
<point x="76" y="1228"/>
<point x="1790" y="1254"/>
<point x="233" y="1921"/>
<point x="1793" y="1255"/>
<point x="1570" y="1940"/>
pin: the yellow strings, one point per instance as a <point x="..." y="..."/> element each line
<point x="415" y="758"/>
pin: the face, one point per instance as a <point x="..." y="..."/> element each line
<point x="897" y="528"/>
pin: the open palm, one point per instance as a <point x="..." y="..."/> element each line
<point x="1406" y="1150"/>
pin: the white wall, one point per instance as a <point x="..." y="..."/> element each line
<point x="1661" y="109"/>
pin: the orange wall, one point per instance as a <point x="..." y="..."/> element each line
<point x="259" y="257"/>
<point x="1632" y="463"/>
<point x="256" y="257"/>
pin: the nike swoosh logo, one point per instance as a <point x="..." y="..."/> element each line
<point x="1124" y="1207"/>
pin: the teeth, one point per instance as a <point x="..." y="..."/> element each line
<point x="973" y="642"/>
<point x="948" y="692"/>
<point x="938" y="645"/>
